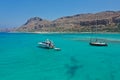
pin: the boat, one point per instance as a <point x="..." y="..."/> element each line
<point x="57" y="49"/>
<point x="97" y="42"/>
<point x="46" y="44"/>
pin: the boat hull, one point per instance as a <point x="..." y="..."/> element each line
<point x="97" y="44"/>
<point x="45" y="45"/>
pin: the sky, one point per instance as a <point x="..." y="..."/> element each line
<point x="14" y="13"/>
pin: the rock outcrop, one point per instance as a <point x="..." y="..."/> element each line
<point x="104" y="21"/>
<point x="34" y="24"/>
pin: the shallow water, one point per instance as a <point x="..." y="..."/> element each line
<point x="21" y="59"/>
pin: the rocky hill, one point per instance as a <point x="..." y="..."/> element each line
<point x="107" y="21"/>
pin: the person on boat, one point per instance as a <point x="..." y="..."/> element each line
<point x="96" y="40"/>
<point x="47" y="41"/>
<point x="50" y="44"/>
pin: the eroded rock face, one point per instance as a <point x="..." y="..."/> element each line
<point x="106" y="21"/>
<point x="35" y="19"/>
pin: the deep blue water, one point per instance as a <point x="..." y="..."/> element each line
<point x="21" y="59"/>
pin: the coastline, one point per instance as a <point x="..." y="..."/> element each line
<point x="68" y="32"/>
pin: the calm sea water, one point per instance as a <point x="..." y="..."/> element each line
<point x="21" y="59"/>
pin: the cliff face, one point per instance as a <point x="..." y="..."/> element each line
<point x="105" y="21"/>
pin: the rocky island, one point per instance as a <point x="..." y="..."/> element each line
<point x="107" y="21"/>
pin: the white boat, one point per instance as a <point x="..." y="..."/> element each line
<point x="46" y="44"/>
<point x="57" y="49"/>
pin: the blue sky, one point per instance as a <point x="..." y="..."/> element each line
<point x="17" y="12"/>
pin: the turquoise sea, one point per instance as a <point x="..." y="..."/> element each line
<point x="22" y="59"/>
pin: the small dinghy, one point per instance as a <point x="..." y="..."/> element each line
<point x="57" y="49"/>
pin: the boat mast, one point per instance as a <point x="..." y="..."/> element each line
<point x="96" y="25"/>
